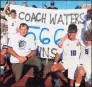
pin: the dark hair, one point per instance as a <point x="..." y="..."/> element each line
<point x="25" y="3"/>
<point x="72" y="28"/>
<point x="34" y="6"/>
<point x="88" y="35"/>
<point x="22" y="25"/>
<point x="13" y="11"/>
<point x="45" y="6"/>
<point x="52" y="3"/>
<point x="89" y="10"/>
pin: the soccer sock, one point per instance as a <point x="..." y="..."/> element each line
<point x="77" y="84"/>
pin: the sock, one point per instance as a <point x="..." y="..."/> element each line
<point x="77" y="84"/>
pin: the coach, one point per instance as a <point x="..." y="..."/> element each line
<point x="22" y="48"/>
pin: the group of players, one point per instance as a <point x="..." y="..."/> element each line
<point x="76" y="54"/>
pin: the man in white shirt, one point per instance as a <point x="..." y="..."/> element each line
<point x="85" y="60"/>
<point x="22" y="48"/>
<point x="71" y="53"/>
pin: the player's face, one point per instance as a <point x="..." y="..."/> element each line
<point x="23" y="31"/>
<point x="71" y="35"/>
<point x="13" y="15"/>
<point x="88" y="43"/>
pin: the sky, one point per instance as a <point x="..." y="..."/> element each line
<point x="60" y="4"/>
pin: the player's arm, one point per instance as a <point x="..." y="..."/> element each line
<point x="31" y="54"/>
<point x="55" y="65"/>
<point x="3" y="52"/>
<point x="61" y="41"/>
<point x="57" y="56"/>
<point x="58" y="53"/>
<point x="12" y="52"/>
<point x="4" y="11"/>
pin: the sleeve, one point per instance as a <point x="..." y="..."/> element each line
<point x="60" y="50"/>
<point x="5" y="43"/>
<point x="33" y="44"/>
<point x="18" y="23"/>
<point x="10" y="43"/>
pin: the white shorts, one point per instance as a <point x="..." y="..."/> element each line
<point x="72" y="68"/>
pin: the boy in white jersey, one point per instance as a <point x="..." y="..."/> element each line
<point x="85" y="60"/>
<point x="87" y="26"/>
<point x="71" y="53"/>
<point x="13" y="22"/>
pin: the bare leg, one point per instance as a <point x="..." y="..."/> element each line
<point x="80" y="74"/>
<point x="57" y="67"/>
<point x="71" y="82"/>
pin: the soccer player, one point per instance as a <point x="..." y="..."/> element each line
<point x="85" y="60"/>
<point x="71" y="53"/>
<point x="87" y="26"/>
<point x="13" y="22"/>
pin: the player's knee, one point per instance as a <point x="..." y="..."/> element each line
<point x="81" y="72"/>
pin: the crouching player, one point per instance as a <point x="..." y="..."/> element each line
<point x="85" y="61"/>
<point x="71" y="53"/>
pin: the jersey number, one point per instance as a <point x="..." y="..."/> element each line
<point x="86" y="51"/>
<point x="73" y="52"/>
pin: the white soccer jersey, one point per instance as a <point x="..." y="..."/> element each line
<point x="71" y="53"/>
<point x="85" y="60"/>
<point x="85" y="57"/>
<point x="13" y="24"/>
<point x="70" y="50"/>
<point x="21" y="45"/>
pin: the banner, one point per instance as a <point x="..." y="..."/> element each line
<point x="49" y="26"/>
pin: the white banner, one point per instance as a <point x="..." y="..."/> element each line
<point x="49" y="26"/>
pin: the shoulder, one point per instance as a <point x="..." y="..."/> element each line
<point x="66" y="42"/>
<point x="29" y="36"/>
<point x="15" y="36"/>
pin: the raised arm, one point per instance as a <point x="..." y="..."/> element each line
<point x="5" y="8"/>
<point x="61" y="41"/>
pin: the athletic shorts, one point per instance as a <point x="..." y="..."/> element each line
<point x="72" y="69"/>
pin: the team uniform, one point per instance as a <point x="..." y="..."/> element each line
<point x="21" y="45"/>
<point x="85" y="61"/>
<point x="3" y="43"/>
<point x="71" y="53"/>
<point x="13" y="25"/>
